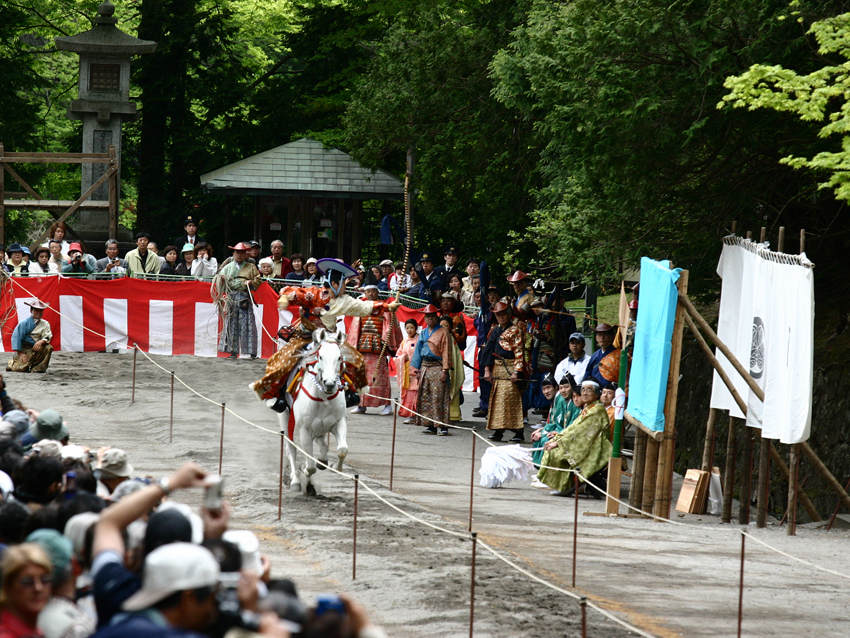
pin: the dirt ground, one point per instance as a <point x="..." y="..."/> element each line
<point x="665" y="579"/>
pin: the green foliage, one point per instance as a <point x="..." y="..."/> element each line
<point x="814" y="97"/>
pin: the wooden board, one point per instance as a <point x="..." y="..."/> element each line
<point x="693" y="494"/>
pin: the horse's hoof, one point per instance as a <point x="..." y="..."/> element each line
<point x="295" y="487"/>
<point x="322" y="465"/>
<point x="311" y="491"/>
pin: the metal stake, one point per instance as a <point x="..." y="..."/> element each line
<point x="392" y="453"/>
<point x="221" y="443"/>
<point x="741" y="588"/>
<point x="575" y="527"/>
<point x="280" y="481"/>
<point x="472" y="585"/>
<point x="171" y="418"/>
<point x="472" y="476"/>
<point x="583" y="603"/>
<point x="135" y="352"/>
<point x="354" y="547"/>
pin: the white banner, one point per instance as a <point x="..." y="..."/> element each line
<point x="767" y="320"/>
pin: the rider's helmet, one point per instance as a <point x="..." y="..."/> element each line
<point x="335" y="273"/>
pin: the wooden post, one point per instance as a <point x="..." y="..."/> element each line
<point x="763" y="234"/>
<point x="746" y="477"/>
<point x="392" y="453"/>
<point x="636" y="484"/>
<point x="472" y="585"/>
<point x="575" y="526"/>
<point x="741" y="588"/>
<point x="786" y="474"/>
<point x="280" y="480"/>
<point x="650" y="475"/>
<point x="729" y="472"/>
<point x="708" y="450"/>
<point x="472" y="477"/>
<point x="221" y="440"/>
<point x="354" y="531"/>
<point x="113" y="194"/>
<point x="171" y="413"/>
<point x="135" y="352"/>
<point x="794" y="466"/>
<point x="664" y="480"/>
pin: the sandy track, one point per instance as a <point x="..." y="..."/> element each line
<point x="666" y="580"/>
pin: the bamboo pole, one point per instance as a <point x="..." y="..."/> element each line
<point x="746" y="478"/>
<point x="708" y="449"/>
<point x="667" y="450"/>
<point x="729" y="472"/>
<point x="786" y="474"/>
<point x="825" y="473"/>
<point x="636" y="483"/>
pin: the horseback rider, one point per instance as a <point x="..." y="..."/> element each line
<point x="318" y="305"/>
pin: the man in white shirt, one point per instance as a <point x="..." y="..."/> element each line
<point x="576" y="362"/>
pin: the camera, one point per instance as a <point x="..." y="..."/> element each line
<point x="230" y="612"/>
<point x="213" y="492"/>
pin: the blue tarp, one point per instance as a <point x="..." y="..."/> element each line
<point x="653" y="342"/>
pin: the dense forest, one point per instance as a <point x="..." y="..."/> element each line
<point x="567" y="137"/>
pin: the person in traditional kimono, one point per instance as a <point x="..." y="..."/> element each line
<point x="565" y="410"/>
<point x="319" y="306"/>
<point x="503" y="358"/>
<point x="609" y="391"/>
<point x="408" y="384"/>
<point x="541" y="353"/>
<point x="31" y="341"/>
<point x="456" y="375"/>
<point x="523" y="292"/>
<point x="604" y="364"/>
<point x="583" y="446"/>
<point x="431" y="362"/>
<point x="368" y="335"/>
<point x="234" y="282"/>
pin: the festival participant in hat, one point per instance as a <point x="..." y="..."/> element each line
<point x="368" y="335"/>
<point x="582" y="446"/>
<point x="431" y="362"/>
<point x="576" y="362"/>
<point x="503" y="358"/>
<point x="450" y="255"/>
<point x="604" y="364"/>
<point x="31" y="341"/>
<point x="319" y="306"/>
<point x="523" y="294"/>
<point x="191" y="236"/>
<point x="141" y="260"/>
<point x="234" y="282"/>
<point x="555" y="421"/>
<point x="408" y="383"/>
<point x="541" y="355"/>
<point x="111" y="264"/>
<point x="15" y="265"/>
<point x="456" y="374"/>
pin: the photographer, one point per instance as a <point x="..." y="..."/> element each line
<point x="76" y="264"/>
<point x="111" y="264"/>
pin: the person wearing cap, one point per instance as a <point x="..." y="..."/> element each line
<point x="388" y="276"/>
<point x="504" y="361"/>
<point x="184" y="268"/>
<point x="253" y="251"/>
<point x="604" y="364"/>
<point x="450" y="255"/>
<point x="523" y="293"/>
<point x="61" y="616"/>
<point x="112" y="469"/>
<point x="431" y="363"/>
<point x="312" y="275"/>
<point x="234" y="282"/>
<point x="576" y="362"/>
<point x="76" y="265"/>
<point x="191" y="236"/>
<point x="15" y="265"/>
<point x="368" y="335"/>
<point x="282" y="265"/>
<point x="318" y="306"/>
<point x="112" y="264"/>
<point x="583" y="446"/>
<point x="31" y="341"/>
<point x="565" y="410"/>
<point x="140" y="260"/>
<point x="432" y="283"/>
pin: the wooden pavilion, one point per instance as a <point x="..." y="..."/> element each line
<point x="308" y="196"/>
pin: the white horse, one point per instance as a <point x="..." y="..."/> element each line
<point x="319" y="408"/>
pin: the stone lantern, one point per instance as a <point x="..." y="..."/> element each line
<point x="104" y="94"/>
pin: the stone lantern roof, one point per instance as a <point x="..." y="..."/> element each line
<point x="105" y="38"/>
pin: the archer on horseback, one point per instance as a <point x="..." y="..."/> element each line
<point x="319" y="305"/>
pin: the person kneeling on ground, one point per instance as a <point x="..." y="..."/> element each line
<point x="31" y="341"/>
<point x="583" y="446"/>
<point x="563" y="413"/>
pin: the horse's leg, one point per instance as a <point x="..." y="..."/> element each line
<point x="340" y="430"/>
<point x="306" y="437"/>
<point x="294" y="482"/>
<point x="322" y="453"/>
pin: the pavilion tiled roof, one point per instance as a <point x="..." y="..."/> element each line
<point x="303" y="167"/>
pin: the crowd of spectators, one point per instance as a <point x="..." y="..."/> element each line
<point x="89" y="546"/>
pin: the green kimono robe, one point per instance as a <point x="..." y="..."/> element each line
<point x="584" y="445"/>
<point x="562" y="414"/>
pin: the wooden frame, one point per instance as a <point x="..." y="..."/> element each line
<point x="53" y="206"/>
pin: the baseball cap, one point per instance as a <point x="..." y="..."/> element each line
<point x="386" y="262"/>
<point x="172" y="568"/>
<point x="46" y="447"/>
<point x="577" y="336"/>
<point x="114" y="462"/>
<point x="76" y="528"/>
<point x="249" y="548"/>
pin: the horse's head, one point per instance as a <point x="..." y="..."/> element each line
<point x="329" y="362"/>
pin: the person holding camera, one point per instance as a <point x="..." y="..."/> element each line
<point x="76" y="264"/>
<point x="111" y="264"/>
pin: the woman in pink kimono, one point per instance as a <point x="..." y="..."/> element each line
<point x="407" y="383"/>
